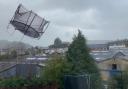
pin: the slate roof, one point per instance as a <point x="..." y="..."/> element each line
<point x="104" y="55"/>
<point x="21" y="69"/>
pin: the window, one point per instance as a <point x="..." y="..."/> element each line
<point x="114" y="66"/>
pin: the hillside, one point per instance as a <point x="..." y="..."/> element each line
<point x="13" y="44"/>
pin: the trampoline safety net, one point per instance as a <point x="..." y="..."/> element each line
<point x="28" y="22"/>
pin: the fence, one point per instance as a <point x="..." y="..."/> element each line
<point x="86" y="81"/>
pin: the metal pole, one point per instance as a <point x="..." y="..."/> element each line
<point x="121" y="80"/>
<point x="89" y="82"/>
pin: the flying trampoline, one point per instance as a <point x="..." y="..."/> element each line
<point x="28" y="22"/>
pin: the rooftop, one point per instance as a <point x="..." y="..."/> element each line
<point x="104" y="55"/>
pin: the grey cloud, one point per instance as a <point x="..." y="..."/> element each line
<point x="98" y="19"/>
<point x="76" y="5"/>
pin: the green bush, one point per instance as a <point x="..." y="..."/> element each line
<point x="20" y="82"/>
<point x="55" y="70"/>
<point x="12" y="82"/>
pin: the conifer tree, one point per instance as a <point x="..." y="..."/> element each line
<point x="81" y="61"/>
<point x="78" y="55"/>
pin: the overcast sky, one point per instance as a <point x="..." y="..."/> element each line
<point x="97" y="19"/>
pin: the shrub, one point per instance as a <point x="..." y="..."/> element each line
<point x="20" y="82"/>
<point x="55" y="70"/>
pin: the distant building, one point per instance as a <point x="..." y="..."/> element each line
<point x="61" y="48"/>
<point x="117" y="46"/>
<point x="4" y="51"/>
<point x="37" y="59"/>
<point x="98" y="47"/>
<point x="20" y="51"/>
<point x="21" y="70"/>
<point x="8" y="51"/>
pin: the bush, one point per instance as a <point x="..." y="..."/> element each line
<point x="20" y="82"/>
<point x="12" y="82"/>
<point x="55" y="70"/>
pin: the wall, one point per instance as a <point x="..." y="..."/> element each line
<point x="106" y="65"/>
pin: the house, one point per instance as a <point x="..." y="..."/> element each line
<point x="4" y="51"/>
<point x="117" y="46"/>
<point x="111" y="63"/>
